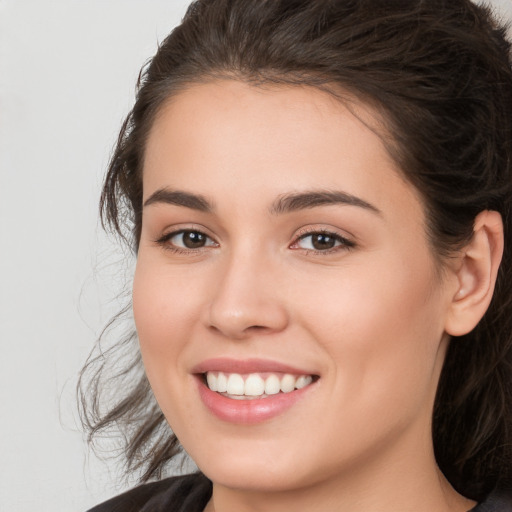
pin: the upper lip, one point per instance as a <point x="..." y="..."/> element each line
<point x="245" y="366"/>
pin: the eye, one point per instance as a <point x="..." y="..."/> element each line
<point x="186" y="239"/>
<point x="322" y="241"/>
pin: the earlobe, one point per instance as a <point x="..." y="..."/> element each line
<point x="476" y="274"/>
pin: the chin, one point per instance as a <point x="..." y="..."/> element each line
<point x="263" y="465"/>
<point x="253" y="475"/>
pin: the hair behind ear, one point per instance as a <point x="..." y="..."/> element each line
<point x="473" y="408"/>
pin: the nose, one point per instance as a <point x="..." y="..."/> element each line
<point x="247" y="299"/>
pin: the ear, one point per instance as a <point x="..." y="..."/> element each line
<point x="476" y="272"/>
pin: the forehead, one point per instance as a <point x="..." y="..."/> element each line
<point x="228" y="135"/>
<point x="269" y="104"/>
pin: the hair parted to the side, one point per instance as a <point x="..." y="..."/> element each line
<point x="439" y="72"/>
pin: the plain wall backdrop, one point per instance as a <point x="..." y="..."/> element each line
<point x="67" y="75"/>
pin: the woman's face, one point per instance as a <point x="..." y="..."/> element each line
<point x="281" y="249"/>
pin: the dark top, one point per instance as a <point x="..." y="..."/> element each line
<point x="191" y="493"/>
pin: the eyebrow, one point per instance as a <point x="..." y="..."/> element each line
<point x="284" y="204"/>
<point x="180" y="198"/>
<point x="311" y="199"/>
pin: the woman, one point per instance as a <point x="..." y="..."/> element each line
<point x="318" y="195"/>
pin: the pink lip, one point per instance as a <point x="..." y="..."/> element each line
<point x="246" y="366"/>
<point x="247" y="412"/>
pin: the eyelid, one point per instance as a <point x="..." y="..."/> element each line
<point x="166" y="237"/>
<point x="345" y="243"/>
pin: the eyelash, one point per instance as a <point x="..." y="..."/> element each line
<point x="342" y="242"/>
<point x="164" y="241"/>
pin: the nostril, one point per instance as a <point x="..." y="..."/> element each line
<point x="257" y="328"/>
<point x="242" y="332"/>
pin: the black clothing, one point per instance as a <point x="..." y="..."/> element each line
<point x="191" y="493"/>
<point x="498" y="501"/>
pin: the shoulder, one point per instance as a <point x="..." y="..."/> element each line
<point x="188" y="493"/>
<point x="497" y="501"/>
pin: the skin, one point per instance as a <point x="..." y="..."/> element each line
<point x="372" y="319"/>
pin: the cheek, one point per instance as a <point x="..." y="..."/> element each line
<point x="381" y="328"/>
<point x="165" y="309"/>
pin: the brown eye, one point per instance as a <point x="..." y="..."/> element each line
<point x="320" y="241"/>
<point x="193" y="239"/>
<point x="187" y="239"/>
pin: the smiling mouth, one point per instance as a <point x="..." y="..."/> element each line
<point x="252" y="386"/>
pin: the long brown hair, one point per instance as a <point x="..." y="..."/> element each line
<point x="439" y="72"/>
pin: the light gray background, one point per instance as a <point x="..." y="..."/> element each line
<point x="67" y="75"/>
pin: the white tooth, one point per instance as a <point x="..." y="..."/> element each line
<point x="272" y="385"/>
<point x="254" y="385"/>
<point x="235" y="384"/>
<point x="212" y="381"/>
<point x="287" y="383"/>
<point x="303" y="381"/>
<point x="222" y="383"/>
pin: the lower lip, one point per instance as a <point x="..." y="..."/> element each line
<point x="247" y="412"/>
